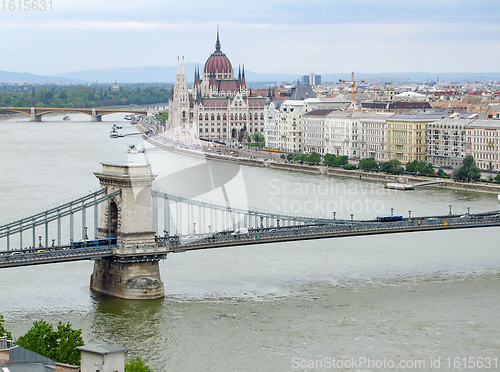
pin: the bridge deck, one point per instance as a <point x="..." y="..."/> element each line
<point x="333" y="231"/>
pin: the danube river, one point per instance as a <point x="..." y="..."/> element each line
<point x="417" y="301"/>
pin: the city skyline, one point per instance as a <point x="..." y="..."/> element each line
<point x="324" y="37"/>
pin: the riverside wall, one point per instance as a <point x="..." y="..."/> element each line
<point x="337" y="172"/>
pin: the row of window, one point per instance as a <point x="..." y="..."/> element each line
<point x="233" y="117"/>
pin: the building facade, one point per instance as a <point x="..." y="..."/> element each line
<point x="342" y="134"/>
<point x="314" y="131"/>
<point x="218" y="106"/>
<point x="372" y="142"/>
<point x="291" y="118"/>
<point x="447" y="141"/>
<point x="407" y="136"/>
<point x="483" y="143"/>
<point x="271" y="126"/>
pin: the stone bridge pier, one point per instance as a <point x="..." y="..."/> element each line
<point x="34" y="116"/>
<point x="94" y="116"/>
<point x="133" y="271"/>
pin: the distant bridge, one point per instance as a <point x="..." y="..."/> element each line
<point x="35" y="113"/>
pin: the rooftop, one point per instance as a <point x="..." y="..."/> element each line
<point x="103" y="349"/>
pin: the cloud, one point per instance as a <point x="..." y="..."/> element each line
<point x="279" y="36"/>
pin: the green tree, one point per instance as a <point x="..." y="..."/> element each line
<point x="349" y="166"/>
<point x="289" y="157"/>
<point x="3" y="331"/>
<point x="368" y="164"/>
<point x="258" y="138"/>
<point x="137" y="365"/>
<point x="441" y="173"/>
<point x="411" y="167"/>
<point x="314" y="158"/>
<point x="392" y="166"/>
<point x="58" y="345"/>
<point x="468" y="171"/>
<point x="247" y="138"/>
<point x="329" y="159"/>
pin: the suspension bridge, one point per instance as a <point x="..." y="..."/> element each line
<point x="126" y="227"/>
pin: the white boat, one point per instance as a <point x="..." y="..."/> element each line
<point x="399" y="186"/>
<point x="132" y="149"/>
<point x="114" y="134"/>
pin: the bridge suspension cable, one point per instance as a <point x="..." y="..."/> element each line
<point x="203" y="217"/>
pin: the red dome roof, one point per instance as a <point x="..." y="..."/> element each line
<point x="218" y="63"/>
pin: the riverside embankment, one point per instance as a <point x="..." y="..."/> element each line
<point x="231" y="155"/>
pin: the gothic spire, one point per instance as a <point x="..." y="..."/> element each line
<point x="217" y="43"/>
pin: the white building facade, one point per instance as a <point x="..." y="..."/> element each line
<point x="483" y="143"/>
<point x="271" y="126"/>
<point x="342" y="134"/>
<point x="373" y="135"/>
<point x="315" y="131"/>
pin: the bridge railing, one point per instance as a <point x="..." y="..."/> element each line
<point x="86" y="207"/>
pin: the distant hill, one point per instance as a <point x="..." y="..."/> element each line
<point x="27" y="78"/>
<point x="155" y="74"/>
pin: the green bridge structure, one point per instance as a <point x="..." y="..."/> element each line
<point x="126" y="228"/>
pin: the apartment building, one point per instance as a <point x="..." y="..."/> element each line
<point x="373" y="135"/>
<point x="314" y="131"/>
<point x="271" y="126"/>
<point x="407" y="136"/>
<point x="447" y="140"/>
<point x="342" y="134"/>
<point x="483" y="137"/>
<point x="291" y="118"/>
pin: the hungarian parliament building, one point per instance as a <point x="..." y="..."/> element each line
<point x="218" y="106"/>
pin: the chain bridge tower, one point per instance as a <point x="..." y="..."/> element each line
<point x="133" y="271"/>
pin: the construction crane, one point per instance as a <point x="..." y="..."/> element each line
<point x="353" y="81"/>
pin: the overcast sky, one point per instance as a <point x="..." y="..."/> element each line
<point x="271" y="36"/>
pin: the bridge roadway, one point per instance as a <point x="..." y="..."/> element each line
<point x="176" y="244"/>
<point x="343" y="228"/>
<point x="45" y="255"/>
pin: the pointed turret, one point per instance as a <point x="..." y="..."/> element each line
<point x="197" y="76"/>
<point x="243" y="76"/>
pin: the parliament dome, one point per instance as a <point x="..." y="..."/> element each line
<point x="218" y="64"/>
